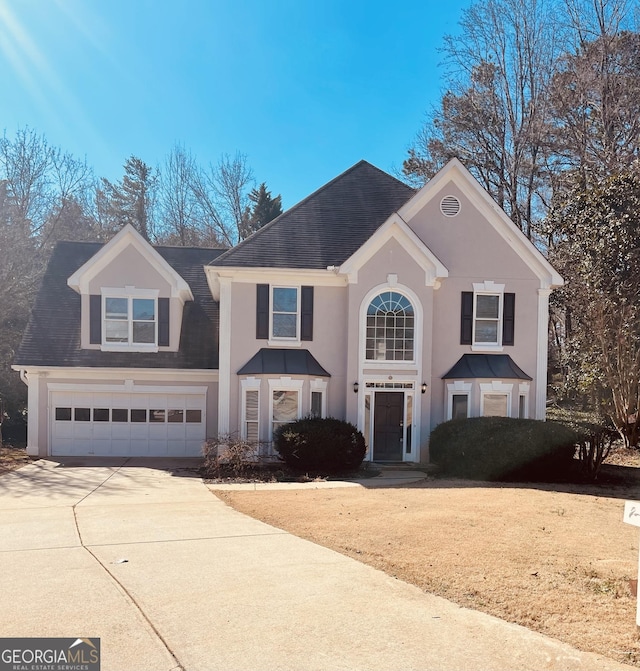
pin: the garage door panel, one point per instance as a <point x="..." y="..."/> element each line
<point x="84" y="423"/>
<point x="120" y="432"/>
<point x="101" y="447"/>
<point x="101" y="430"/>
<point x="82" y="431"/>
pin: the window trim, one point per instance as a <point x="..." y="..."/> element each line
<point x="318" y="386"/>
<point x="246" y="385"/>
<point x="458" y="388"/>
<point x="283" y="384"/>
<point x="523" y="392"/>
<point x="488" y="288"/>
<point x="496" y="387"/>
<point x="391" y="290"/>
<point x="291" y="340"/>
<point x="391" y="285"/>
<point x="130" y="293"/>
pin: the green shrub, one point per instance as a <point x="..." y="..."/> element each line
<point x="502" y="448"/>
<point x="320" y="445"/>
<point x="596" y="437"/>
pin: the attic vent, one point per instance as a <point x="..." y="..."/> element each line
<point x="449" y="206"/>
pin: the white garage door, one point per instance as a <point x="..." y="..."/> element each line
<point x="127" y="424"/>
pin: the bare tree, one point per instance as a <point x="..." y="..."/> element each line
<point x="494" y="112"/>
<point x="179" y="210"/>
<point x="25" y="166"/>
<point x="596" y="92"/>
<point x="222" y="194"/>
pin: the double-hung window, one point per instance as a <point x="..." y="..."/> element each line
<point x="285" y="313"/>
<point x="130" y="320"/>
<point x="495" y="399"/>
<point x="250" y="430"/>
<point x="488" y="317"/>
<point x="459" y="399"/>
<point x="285" y="403"/>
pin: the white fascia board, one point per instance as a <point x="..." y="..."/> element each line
<point x="295" y="276"/>
<point x="397" y="229"/>
<point x="455" y="172"/>
<point x="128" y="235"/>
<point x="120" y="374"/>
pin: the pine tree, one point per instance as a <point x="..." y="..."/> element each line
<point x="264" y="209"/>
<point x="131" y="200"/>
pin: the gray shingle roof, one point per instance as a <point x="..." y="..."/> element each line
<point x="489" y="366"/>
<point x="52" y="337"/>
<point x="328" y="226"/>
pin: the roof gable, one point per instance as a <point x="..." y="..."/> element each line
<point x="397" y="229"/>
<point x="455" y="172"/>
<point x="325" y="228"/>
<point x="129" y="237"/>
<point x="49" y="341"/>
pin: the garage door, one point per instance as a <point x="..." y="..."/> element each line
<point x="127" y="424"/>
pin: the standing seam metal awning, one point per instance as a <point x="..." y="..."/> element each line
<point x="269" y="361"/>
<point x="487" y="366"/>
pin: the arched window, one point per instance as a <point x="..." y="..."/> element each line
<point x="390" y="328"/>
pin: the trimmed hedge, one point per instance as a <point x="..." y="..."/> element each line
<point x="320" y="445"/>
<point x="503" y="448"/>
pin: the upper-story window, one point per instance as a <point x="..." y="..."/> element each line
<point x="488" y="317"/>
<point x="285" y="312"/>
<point x="390" y="328"/>
<point x="130" y="321"/>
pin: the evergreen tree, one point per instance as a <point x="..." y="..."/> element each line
<point x="130" y="201"/>
<point x="264" y="209"/>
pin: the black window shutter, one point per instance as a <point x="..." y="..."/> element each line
<point x="508" y="319"/>
<point x="306" y="317"/>
<point x="163" y="322"/>
<point x="95" y="319"/>
<point x="466" y="318"/>
<point x="262" y="311"/>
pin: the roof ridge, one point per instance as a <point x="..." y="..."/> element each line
<point x="314" y="194"/>
<point x="210" y="249"/>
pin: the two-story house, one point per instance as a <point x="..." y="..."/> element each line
<point x="392" y="308"/>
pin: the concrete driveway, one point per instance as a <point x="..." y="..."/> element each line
<point x="149" y="560"/>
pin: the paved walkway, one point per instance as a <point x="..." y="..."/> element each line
<point x="169" y="577"/>
<point x="388" y="477"/>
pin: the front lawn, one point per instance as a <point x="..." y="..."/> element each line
<point x="555" y="558"/>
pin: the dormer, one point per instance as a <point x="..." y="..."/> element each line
<point x="131" y="299"/>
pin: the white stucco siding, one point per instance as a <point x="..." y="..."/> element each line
<point x="131" y="268"/>
<point x="328" y="347"/>
<point x="392" y="268"/>
<point x="468" y="244"/>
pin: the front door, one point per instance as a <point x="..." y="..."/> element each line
<point x="388" y="415"/>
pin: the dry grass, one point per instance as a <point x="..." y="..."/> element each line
<point x="556" y="559"/>
<point x="12" y="458"/>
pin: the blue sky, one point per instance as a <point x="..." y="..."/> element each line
<point x="304" y="88"/>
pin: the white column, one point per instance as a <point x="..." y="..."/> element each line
<point x="224" y="359"/>
<point x="33" y="416"/>
<point x="543" y="353"/>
